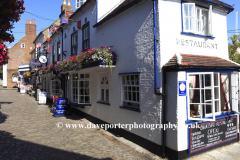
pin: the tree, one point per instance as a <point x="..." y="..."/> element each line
<point x="10" y="11"/>
<point x="234" y="48"/>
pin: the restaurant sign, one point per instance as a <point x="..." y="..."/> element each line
<point x="197" y="44"/>
<point x="211" y="134"/>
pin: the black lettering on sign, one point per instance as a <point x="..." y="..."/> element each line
<point x="212" y="133"/>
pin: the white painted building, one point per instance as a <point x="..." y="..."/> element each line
<point x="172" y="68"/>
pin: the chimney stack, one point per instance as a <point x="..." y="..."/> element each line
<point x="30" y="28"/>
<point x="66" y="6"/>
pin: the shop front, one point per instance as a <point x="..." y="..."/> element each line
<point x="207" y="101"/>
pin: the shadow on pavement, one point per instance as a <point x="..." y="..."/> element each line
<point x="3" y="117"/>
<point x="5" y="103"/>
<point x="12" y="148"/>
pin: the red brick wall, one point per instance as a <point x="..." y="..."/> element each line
<point x="10" y="84"/>
<point x="20" y="55"/>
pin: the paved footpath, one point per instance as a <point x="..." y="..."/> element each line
<point x="29" y="131"/>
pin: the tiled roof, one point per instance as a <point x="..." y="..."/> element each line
<point x="188" y="60"/>
<point x="220" y="2"/>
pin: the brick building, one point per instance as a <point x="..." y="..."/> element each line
<point x="20" y="53"/>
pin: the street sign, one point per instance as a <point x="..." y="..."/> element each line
<point x="61" y="107"/>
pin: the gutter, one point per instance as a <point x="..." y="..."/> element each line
<point x="156" y="88"/>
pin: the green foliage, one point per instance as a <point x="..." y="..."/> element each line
<point x="233" y="48"/>
<point x="1" y="72"/>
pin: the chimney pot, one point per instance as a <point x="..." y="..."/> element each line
<point x="33" y="21"/>
<point x="27" y="21"/>
<point x="64" y="1"/>
<point x="69" y="2"/>
<point x="30" y="21"/>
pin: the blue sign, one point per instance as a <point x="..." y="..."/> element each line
<point x="61" y="107"/>
<point x="182" y="88"/>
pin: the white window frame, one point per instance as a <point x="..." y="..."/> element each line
<point x="14" y="76"/>
<point x="195" y="19"/>
<point x="22" y="45"/>
<point x="235" y="91"/>
<point x="79" y="3"/>
<point x="129" y="83"/>
<point x="55" y="80"/>
<point x="78" y="88"/>
<point x="206" y="118"/>
<point x="233" y="97"/>
<point x="74" y="88"/>
<point x="104" y="86"/>
<point x="84" y="80"/>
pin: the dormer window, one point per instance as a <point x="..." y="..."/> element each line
<point x="197" y="20"/>
<point x="79" y="3"/>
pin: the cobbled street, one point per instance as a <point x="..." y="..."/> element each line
<point x="29" y="131"/>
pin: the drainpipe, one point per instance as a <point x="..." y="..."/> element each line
<point x="156" y="88"/>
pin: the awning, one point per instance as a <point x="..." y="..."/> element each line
<point x="188" y="61"/>
<point x="34" y="63"/>
<point x="24" y="68"/>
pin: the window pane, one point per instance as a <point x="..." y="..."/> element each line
<point x="217" y="107"/>
<point x="82" y="99"/>
<point x="86" y="84"/>
<point x="81" y="84"/>
<point x="134" y="96"/>
<point x="136" y="80"/>
<point x="125" y="95"/>
<point x="81" y="91"/>
<point x="187" y="23"/>
<point x="132" y="79"/>
<point x="207" y="80"/>
<point x="215" y="79"/>
<point x="81" y="75"/>
<point x="87" y="99"/>
<point x="107" y="95"/>
<point x="129" y="96"/>
<point x="186" y="10"/>
<point x="192" y="23"/>
<point x="191" y="10"/>
<point x="216" y="93"/>
<point x="208" y="94"/>
<point x="86" y="91"/>
<point x="102" y="95"/>
<point x="137" y="96"/>
<point x="194" y="95"/>
<point x="86" y="75"/>
<point x="208" y="109"/>
<point x="193" y="81"/>
<point x="128" y="80"/>
<point x="125" y="88"/>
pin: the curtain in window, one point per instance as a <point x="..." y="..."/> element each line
<point x="192" y="84"/>
<point x="224" y="77"/>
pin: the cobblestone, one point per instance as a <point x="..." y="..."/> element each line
<point x="28" y="131"/>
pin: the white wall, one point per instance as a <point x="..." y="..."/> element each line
<point x="106" y="6"/>
<point x="171" y="28"/>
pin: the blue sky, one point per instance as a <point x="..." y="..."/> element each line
<point x="51" y="9"/>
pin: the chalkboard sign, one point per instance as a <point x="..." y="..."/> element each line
<point x="210" y="134"/>
<point x="61" y="107"/>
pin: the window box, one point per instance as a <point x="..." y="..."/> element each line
<point x="95" y="64"/>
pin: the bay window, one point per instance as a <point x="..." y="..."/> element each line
<point x="197" y="20"/>
<point x="210" y="94"/>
